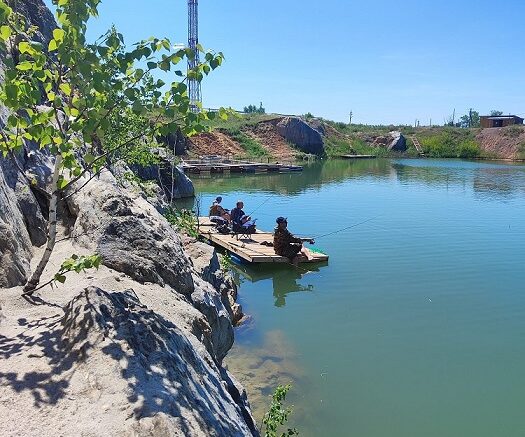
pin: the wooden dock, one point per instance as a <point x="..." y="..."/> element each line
<point x="249" y="250"/>
<point x="223" y="165"/>
<point x="358" y="156"/>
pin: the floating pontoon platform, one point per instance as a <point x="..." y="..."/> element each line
<point x="358" y="156"/>
<point x="222" y="165"/>
<point x="250" y="250"/>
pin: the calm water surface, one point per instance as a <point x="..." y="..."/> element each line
<point x="416" y="326"/>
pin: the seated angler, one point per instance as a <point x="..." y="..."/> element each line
<point x="238" y="216"/>
<point x="285" y="244"/>
<point x="216" y="210"/>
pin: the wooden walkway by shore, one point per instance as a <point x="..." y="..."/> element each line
<point x="250" y="250"/>
<point x="224" y="165"/>
<point x="358" y="156"/>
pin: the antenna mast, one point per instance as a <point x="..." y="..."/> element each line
<point x="194" y="86"/>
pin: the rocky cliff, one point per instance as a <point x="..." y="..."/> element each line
<point x="135" y="348"/>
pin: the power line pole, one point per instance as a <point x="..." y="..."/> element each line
<point x="470" y="117"/>
<point x="194" y="86"/>
<point x="351" y="114"/>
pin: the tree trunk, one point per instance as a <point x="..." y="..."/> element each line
<point x="51" y="232"/>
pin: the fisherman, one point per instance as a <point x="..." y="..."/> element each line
<point x="216" y="210"/>
<point x="238" y="216"/>
<point x="285" y="244"/>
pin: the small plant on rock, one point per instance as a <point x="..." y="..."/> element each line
<point x="183" y="219"/>
<point x="278" y="415"/>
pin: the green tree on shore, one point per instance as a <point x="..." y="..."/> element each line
<point x="77" y="99"/>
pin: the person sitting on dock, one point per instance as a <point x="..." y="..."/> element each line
<point x="285" y="244"/>
<point x="238" y="216"/>
<point x="216" y="210"/>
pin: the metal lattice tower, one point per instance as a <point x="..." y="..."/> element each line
<point x="194" y="86"/>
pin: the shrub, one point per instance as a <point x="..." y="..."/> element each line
<point x="183" y="219"/>
<point x="277" y="415"/>
<point x="469" y="149"/>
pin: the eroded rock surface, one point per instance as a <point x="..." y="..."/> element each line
<point x="15" y="242"/>
<point x="130" y="234"/>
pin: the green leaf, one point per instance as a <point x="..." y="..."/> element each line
<point x="24" y="47"/>
<point x="24" y="66"/>
<point x="5" y="32"/>
<point x="11" y="91"/>
<point x="61" y="183"/>
<point x="152" y="65"/>
<point x="65" y="88"/>
<point x="89" y="158"/>
<point x="137" y="107"/>
<point x="60" y="278"/>
<point x="52" y="45"/>
<point x="58" y="34"/>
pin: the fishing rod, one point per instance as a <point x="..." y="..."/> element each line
<point x="262" y="203"/>
<point x="346" y="228"/>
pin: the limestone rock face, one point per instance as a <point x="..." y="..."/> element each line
<point x="301" y="134"/>
<point x="397" y="142"/>
<point x="145" y="367"/>
<point x="130" y="234"/>
<point x="15" y="243"/>
<point x="37" y="14"/>
<point x="209" y="302"/>
<point x="206" y="263"/>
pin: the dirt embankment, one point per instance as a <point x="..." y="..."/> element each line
<point x="220" y="142"/>
<point x="214" y="143"/>
<point x="503" y="142"/>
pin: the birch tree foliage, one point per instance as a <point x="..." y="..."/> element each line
<point x="77" y="99"/>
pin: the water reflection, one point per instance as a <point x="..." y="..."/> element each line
<point x="486" y="180"/>
<point x="286" y="279"/>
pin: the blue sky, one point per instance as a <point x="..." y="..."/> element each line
<point x="387" y="61"/>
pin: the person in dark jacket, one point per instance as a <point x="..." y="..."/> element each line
<point x="285" y="244"/>
<point x="237" y="214"/>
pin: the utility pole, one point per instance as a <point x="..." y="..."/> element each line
<point x="470" y="117"/>
<point x="454" y="117"/>
<point x="194" y="86"/>
<point x="351" y="114"/>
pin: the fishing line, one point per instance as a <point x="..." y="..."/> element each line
<point x="262" y="203"/>
<point x="346" y="228"/>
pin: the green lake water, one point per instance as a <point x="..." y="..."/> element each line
<point x="416" y="326"/>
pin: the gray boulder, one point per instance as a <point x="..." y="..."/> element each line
<point x="397" y="142"/>
<point x="146" y="365"/>
<point x="130" y="234"/>
<point x="301" y="134"/>
<point x="172" y="180"/>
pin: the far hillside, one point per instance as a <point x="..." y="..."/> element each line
<point x="262" y="136"/>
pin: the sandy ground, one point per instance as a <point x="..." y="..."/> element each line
<point x="39" y="394"/>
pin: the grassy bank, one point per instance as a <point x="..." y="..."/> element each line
<point x="341" y="138"/>
<point x="448" y="142"/>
